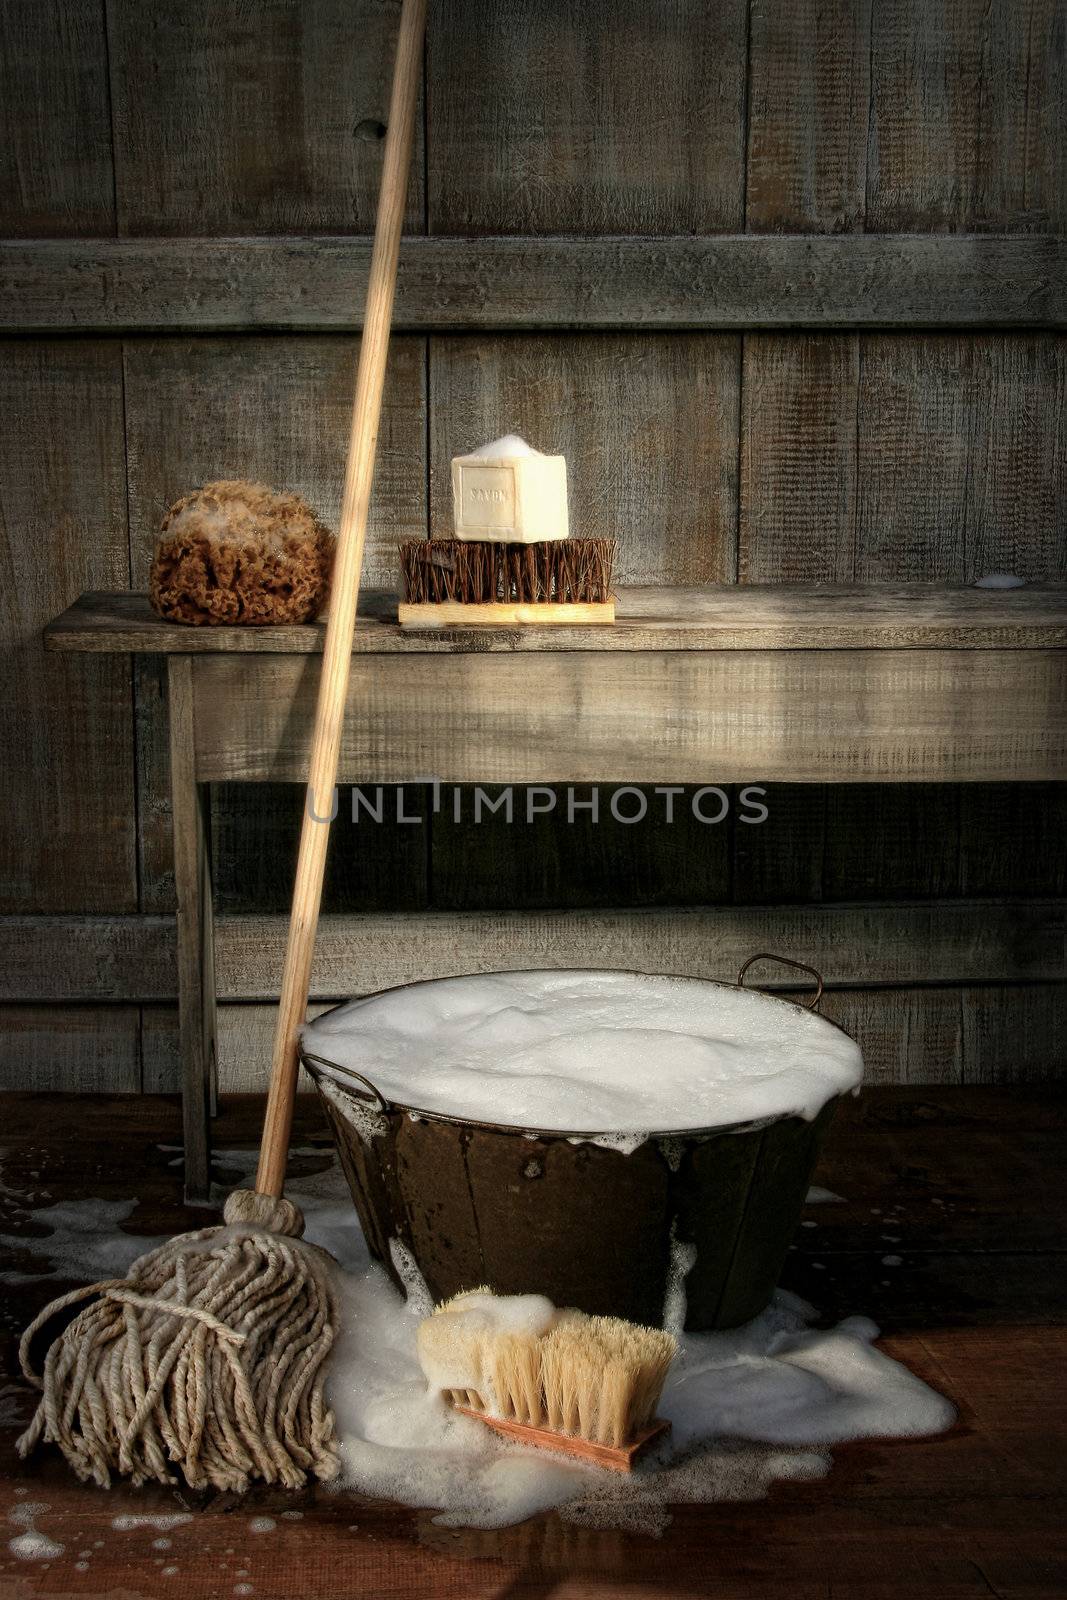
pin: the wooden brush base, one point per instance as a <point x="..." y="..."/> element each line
<point x="505" y="614"/>
<point x="618" y="1458"/>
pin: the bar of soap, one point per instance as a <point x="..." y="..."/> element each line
<point x="509" y="493"/>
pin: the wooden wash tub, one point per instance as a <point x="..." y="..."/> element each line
<point x="553" y="1213"/>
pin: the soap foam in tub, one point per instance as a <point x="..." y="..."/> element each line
<point x="592" y="1053"/>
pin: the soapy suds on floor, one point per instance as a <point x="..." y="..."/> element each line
<point x="749" y="1407"/>
<point x="572" y="1051"/>
<point x="31" y="1544"/>
<point x="158" y="1521"/>
<point x="85" y="1241"/>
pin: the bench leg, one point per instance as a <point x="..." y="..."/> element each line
<point x="207" y="937"/>
<point x="196" y="960"/>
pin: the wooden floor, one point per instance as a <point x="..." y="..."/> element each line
<point x="966" y="1186"/>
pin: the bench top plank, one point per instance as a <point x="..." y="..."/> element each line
<point x="715" y="617"/>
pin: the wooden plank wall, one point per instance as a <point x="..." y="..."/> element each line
<point x="747" y="456"/>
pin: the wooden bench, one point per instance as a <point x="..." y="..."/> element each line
<point x="725" y="684"/>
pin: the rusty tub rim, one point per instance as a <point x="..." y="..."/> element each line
<point x="361" y="1088"/>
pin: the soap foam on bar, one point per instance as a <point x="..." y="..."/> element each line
<point x="507" y="448"/>
<point x="590" y="1052"/>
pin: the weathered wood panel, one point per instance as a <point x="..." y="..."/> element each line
<point x="65" y="726"/>
<point x="724" y="616"/>
<point x="87" y="959"/>
<point x="1019" y="832"/>
<point x="269" y="118"/>
<point x="56" y="168"/>
<point x="859" y="946"/>
<point x="881" y="841"/>
<point x="648" y="427"/>
<point x="917" y="838"/>
<point x="94" y="1049"/>
<point x="313" y="285"/>
<point x="269" y="409"/>
<point x="640" y="848"/>
<point x="274" y="410"/>
<point x="906" y="1034"/>
<point x="371" y="867"/>
<point x="798" y="459"/>
<point x="966" y="1035"/>
<point x="1023" y="1030"/>
<point x="809" y="146"/>
<point x="244" y="1044"/>
<point x="809" y="100"/>
<point x="967" y="116"/>
<point x="734" y="716"/>
<point x="962" y="466"/>
<point x="950" y="447"/>
<point x="76" y="960"/>
<point x="783" y="858"/>
<point x="195" y="933"/>
<point x="886" y="460"/>
<point x="961" y="472"/>
<point x="919" y="411"/>
<point x="161" y="1066"/>
<point x="586" y="116"/>
<point x="905" y="839"/>
<point x="155" y="848"/>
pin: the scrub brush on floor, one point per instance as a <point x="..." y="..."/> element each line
<point x="559" y="1380"/>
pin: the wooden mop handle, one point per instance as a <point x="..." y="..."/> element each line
<point x="344" y="593"/>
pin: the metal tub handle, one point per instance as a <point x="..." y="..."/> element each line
<point x="331" y="1069"/>
<point x="800" y="966"/>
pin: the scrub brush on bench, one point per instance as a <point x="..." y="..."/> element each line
<point x="583" y="1386"/>
<point x="512" y="560"/>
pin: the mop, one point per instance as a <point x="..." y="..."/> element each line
<point x="207" y="1359"/>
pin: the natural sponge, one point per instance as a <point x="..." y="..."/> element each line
<point x="235" y="552"/>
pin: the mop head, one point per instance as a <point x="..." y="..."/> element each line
<point x="204" y="1363"/>
<point x="235" y="552"/>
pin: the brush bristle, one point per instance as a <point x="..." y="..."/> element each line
<point x="513" y="1362"/>
<point x="594" y="1378"/>
<point x="602" y="1378"/>
<point x="564" y="571"/>
<point x="456" y="1301"/>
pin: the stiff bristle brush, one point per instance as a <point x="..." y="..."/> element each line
<point x="560" y="1380"/>
<point x="512" y="560"/>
